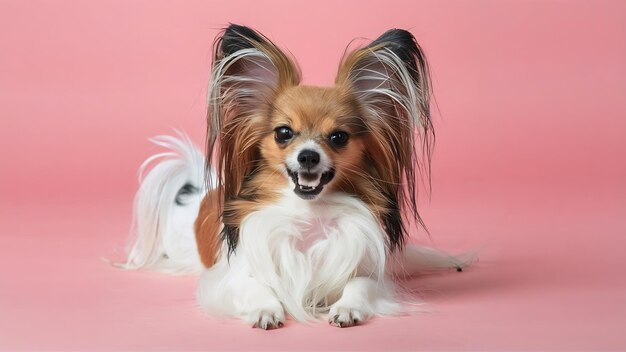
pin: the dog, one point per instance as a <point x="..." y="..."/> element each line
<point x="301" y="205"/>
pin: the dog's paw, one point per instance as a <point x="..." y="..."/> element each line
<point x="267" y="319"/>
<point x="345" y="317"/>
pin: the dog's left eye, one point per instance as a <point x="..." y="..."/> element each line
<point x="339" y="138"/>
<point x="283" y="134"/>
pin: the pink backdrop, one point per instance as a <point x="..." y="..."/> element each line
<point x="529" y="163"/>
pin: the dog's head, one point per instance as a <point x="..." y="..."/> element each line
<point x="358" y="136"/>
<point x="316" y="135"/>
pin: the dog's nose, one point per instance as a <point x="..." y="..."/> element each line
<point x="308" y="158"/>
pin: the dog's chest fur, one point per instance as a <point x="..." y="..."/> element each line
<point x="307" y="251"/>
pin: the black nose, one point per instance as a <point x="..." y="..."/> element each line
<point x="308" y="158"/>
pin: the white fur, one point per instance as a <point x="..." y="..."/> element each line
<point x="305" y="252"/>
<point x="304" y="258"/>
<point x="381" y="75"/>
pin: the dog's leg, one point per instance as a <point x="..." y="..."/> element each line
<point x="230" y="289"/>
<point x="355" y="304"/>
<point x="257" y="305"/>
<point x="362" y="298"/>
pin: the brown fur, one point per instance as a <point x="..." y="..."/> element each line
<point x="207" y="227"/>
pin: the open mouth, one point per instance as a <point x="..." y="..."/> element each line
<point x="309" y="185"/>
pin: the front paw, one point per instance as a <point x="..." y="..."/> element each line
<point x="345" y="317"/>
<point x="267" y="319"/>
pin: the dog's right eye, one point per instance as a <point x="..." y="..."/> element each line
<point x="283" y="134"/>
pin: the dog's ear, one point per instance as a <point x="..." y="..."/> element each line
<point x="247" y="72"/>
<point x="390" y="79"/>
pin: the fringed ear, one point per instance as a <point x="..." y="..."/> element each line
<point x="247" y="72"/>
<point x="390" y="79"/>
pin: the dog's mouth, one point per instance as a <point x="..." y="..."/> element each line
<point x="310" y="184"/>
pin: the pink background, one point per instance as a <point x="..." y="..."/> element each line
<point x="530" y="163"/>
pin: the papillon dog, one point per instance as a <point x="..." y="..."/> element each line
<point x="301" y="205"/>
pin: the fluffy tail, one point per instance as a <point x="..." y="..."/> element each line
<point x="418" y="259"/>
<point x="166" y="207"/>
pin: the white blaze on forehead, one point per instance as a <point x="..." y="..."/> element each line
<point x="292" y="159"/>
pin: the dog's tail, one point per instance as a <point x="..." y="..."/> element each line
<point x="416" y="259"/>
<point x="166" y="206"/>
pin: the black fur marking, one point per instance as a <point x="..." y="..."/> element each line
<point x="230" y="234"/>
<point x="237" y="37"/>
<point x="403" y="44"/>
<point x="185" y="191"/>
<point x="394" y="227"/>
